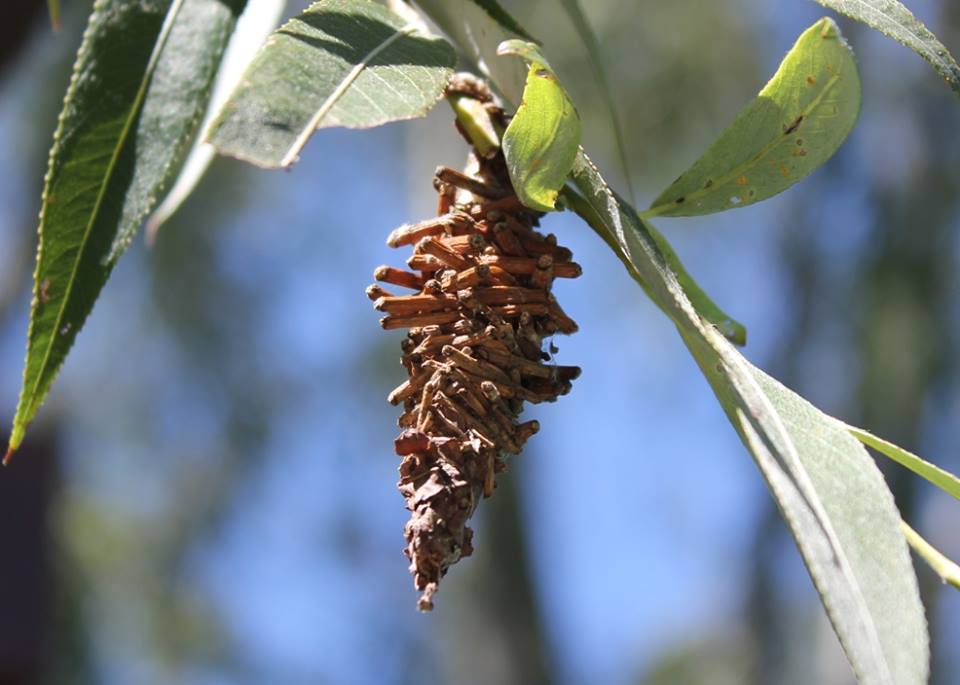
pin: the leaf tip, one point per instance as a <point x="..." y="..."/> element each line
<point x="9" y="455"/>
<point x="513" y="46"/>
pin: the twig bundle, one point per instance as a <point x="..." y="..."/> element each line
<point x="474" y="352"/>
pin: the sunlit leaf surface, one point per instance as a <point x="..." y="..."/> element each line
<point x="793" y="126"/>
<point x="140" y="85"/>
<point x="350" y="63"/>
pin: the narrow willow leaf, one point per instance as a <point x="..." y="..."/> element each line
<point x="948" y="570"/>
<point x="478" y="35"/>
<point x="838" y="509"/>
<point x="349" y="63"/>
<point x="502" y="17"/>
<point x="541" y="141"/>
<point x="944" y="480"/>
<point x="255" y="24"/>
<point x="140" y="84"/>
<point x="893" y="19"/>
<point x="832" y="496"/>
<point x="794" y="125"/>
<point x="592" y="46"/>
<point x="732" y="330"/>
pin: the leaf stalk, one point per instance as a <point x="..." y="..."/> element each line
<point x="948" y="570"/>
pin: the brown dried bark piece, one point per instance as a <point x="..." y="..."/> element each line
<point x="482" y="308"/>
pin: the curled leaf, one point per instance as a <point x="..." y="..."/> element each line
<point x="541" y="142"/>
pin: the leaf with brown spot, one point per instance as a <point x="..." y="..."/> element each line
<point x="816" y="92"/>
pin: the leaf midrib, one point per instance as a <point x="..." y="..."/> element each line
<point x="810" y="494"/>
<point x="124" y="135"/>
<point x="294" y="152"/>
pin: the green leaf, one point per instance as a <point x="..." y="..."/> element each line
<point x="732" y="330"/>
<point x="349" y="63"/>
<point x="831" y="494"/>
<point x="840" y="512"/>
<point x="893" y="19"/>
<point x="258" y="20"/>
<point x="944" y="480"/>
<point x="140" y="84"/>
<point x="794" y="125"/>
<point x="496" y="12"/>
<point x="592" y="46"/>
<point x="541" y="141"/>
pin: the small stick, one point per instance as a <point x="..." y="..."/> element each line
<point x="418" y="320"/>
<point x="424" y="262"/>
<point x="446" y="195"/>
<point x="468" y="243"/>
<point x="413" y="304"/>
<point x="439" y="250"/>
<point x="564" y="323"/>
<point x="535" y="247"/>
<point x="411" y="442"/>
<point x="432" y="341"/>
<point x="460" y="180"/>
<point x="505" y="294"/>
<point x="409" y="387"/>
<point x="547" y="390"/>
<point x="404" y="279"/>
<point x="526" y="430"/>
<point x="489" y="477"/>
<point x="507" y="241"/>
<point x="475" y="366"/>
<point x="408" y="234"/>
<point x="526" y="367"/>
<point x="375" y="292"/>
<point x="511" y="310"/>
<point x="567" y="373"/>
<point x="520" y="266"/>
<point x="471" y="400"/>
<point x="542" y="277"/>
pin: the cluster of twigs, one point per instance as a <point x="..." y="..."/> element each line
<point x="474" y="352"/>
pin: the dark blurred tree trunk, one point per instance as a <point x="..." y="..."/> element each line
<point x="906" y="334"/>
<point x="19" y="17"/>
<point x="26" y="491"/>
<point x="498" y="610"/>
<point x="27" y="486"/>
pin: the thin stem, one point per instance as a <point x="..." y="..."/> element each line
<point x="948" y="570"/>
<point x="648" y="214"/>
<point x="933" y="474"/>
